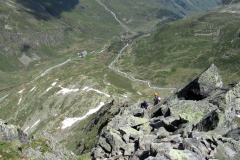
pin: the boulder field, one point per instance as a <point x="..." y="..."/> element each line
<point x="201" y="120"/>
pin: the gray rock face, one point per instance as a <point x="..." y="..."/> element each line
<point x="209" y="80"/>
<point x="11" y="132"/>
<point x="234" y="134"/>
<point x="201" y="86"/>
<point x="200" y="121"/>
<point x="162" y="133"/>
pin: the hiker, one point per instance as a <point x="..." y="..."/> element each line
<point x="144" y="104"/>
<point x="156" y="99"/>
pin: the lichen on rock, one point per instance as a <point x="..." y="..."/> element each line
<point x="199" y="121"/>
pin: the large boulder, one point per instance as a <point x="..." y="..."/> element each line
<point x="120" y="121"/>
<point x="115" y="140"/>
<point x="234" y="134"/>
<point x="191" y="111"/>
<point x="193" y="144"/>
<point x="227" y="149"/>
<point x="175" y="154"/>
<point x="11" y="132"/>
<point x="202" y="86"/>
<point x="104" y="144"/>
<point x="209" y="81"/>
<point x="131" y="132"/>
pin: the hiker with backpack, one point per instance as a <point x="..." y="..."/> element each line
<point x="156" y="99"/>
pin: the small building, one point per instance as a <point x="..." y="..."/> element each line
<point x="82" y="54"/>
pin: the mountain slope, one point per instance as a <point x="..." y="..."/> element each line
<point x="198" y="121"/>
<point x="31" y="38"/>
<point x="54" y="90"/>
<point x="189" y="7"/>
<point x="136" y="13"/>
<point x="177" y="51"/>
<point x="34" y="31"/>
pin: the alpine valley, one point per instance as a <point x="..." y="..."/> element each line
<point x="74" y="72"/>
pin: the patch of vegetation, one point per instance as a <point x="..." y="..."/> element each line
<point x="9" y="150"/>
<point x="115" y="47"/>
<point x="187" y="44"/>
<point x="39" y="142"/>
<point x="119" y="81"/>
<point x="86" y="156"/>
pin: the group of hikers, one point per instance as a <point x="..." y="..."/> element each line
<point x="156" y="100"/>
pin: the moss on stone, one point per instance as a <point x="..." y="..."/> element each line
<point x="139" y="120"/>
<point x="189" y="112"/>
<point x="236" y="121"/>
<point x="130" y="131"/>
<point x="178" y="155"/>
<point x="146" y="128"/>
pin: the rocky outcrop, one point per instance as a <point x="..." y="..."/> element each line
<point x="199" y="121"/>
<point x="15" y="143"/>
<point x="44" y="146"/>
<point x="9" y="132"/>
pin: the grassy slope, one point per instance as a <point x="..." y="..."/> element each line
<point x="136" y="13"/>
<point x="91" y="28"/>
<point x="30" y="34"/>
<point x="26" y="29"/>
<point x="177" y="51"/>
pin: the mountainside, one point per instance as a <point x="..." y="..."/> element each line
<point x="45" y="87"/>
<point x="36" y="33"/>
<point x="177" y="51"/>
<point x="189" y="7"/>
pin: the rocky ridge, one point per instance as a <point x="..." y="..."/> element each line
<point x="15" y="144"/>
<point x="199" y="121"/>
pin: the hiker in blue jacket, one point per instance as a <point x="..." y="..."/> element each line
<point x="144" y="105"/>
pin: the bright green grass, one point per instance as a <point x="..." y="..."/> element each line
<point x="119" y="81"/>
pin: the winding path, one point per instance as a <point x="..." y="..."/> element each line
<point x="99" y="1"/>
<point x="128" y="75"/>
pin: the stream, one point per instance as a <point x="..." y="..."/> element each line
<point x="114" y="15"/>
<point x="49" y="69"/>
